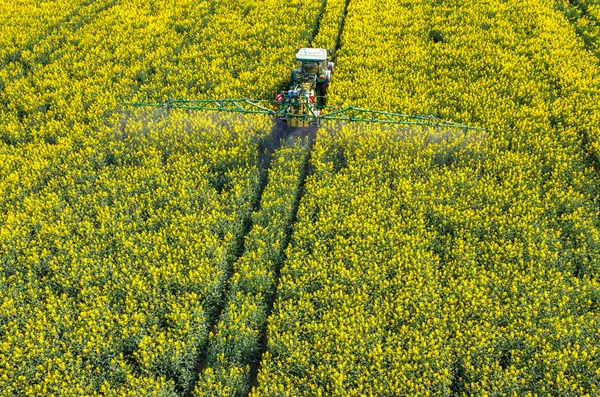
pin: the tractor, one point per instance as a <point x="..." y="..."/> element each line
<point x="303" y="105"/>
<point x="308" y="87"/>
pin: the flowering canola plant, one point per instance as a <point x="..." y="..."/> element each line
<point x="119" y="227"/>
<point x="422" y="262"/>
<point x="23" y="23"/>
<point x="234" y="346"/>
<point x="430" y="264"/>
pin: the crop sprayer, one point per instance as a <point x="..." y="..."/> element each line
<point x="303" y="105"/>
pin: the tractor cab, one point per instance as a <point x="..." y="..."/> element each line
<point x="312" y="65"/>
<point x="303" y="101"/>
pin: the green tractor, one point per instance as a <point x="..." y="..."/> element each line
<point x="308" y="87"/>
<point x="303" y="105"/>
<point x="314" y="68"/>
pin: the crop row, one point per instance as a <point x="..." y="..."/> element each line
<point x="119" y="227"/>
<point x="24" y="22"/>
<point x="428" y="263"/>
<point x="112" y="272"/>
<point x="235" y="345"/>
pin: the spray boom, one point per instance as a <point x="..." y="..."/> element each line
<point x="286" y="108"/>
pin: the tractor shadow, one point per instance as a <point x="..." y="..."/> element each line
<point x="283" y="135"/>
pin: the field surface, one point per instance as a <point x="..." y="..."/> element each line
<point x="156" y="252"/>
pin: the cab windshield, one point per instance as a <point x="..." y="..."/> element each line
<point x="309" y="67"/>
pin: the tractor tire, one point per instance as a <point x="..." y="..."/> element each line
<point x="322" y="94"/>
<point x="330" y="66"/>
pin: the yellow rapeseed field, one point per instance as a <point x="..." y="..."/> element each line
<point x="431" y="264"/>
<point x="119" y="226"/>
<point x="163" y="252"/>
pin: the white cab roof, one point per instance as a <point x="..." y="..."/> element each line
<point x="312" y="54"/>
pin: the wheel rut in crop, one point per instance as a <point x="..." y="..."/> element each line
<point x="265" y="154"/>
<point x="306" y="171"/>
<point x="338" y="39"/>
<point x="74" y="20"/>
<point x="317" y="26"/>
<point x="272" y="297"/>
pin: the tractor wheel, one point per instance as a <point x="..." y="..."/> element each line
<point x="322" y="94"/>
<point x="330" y="66"/>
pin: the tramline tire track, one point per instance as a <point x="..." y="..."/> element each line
<point x="338" y="40"/>
<point x="265" y="154"/>
<point x="49" y="31"/>
<point x="289" y="230"/>
<point x="71" y="19"/>
<point x="315" y="31"/>
<point x="306" y="171"/>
